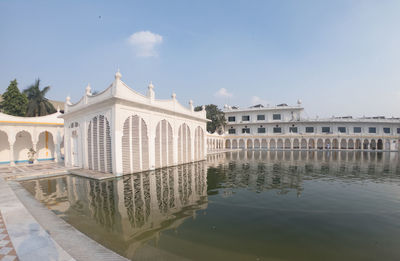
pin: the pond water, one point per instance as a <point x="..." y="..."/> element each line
<point x="247" y="205"/>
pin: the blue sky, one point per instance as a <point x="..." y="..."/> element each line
<point x="338" y="57"/>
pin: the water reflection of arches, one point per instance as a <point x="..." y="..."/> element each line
<point x="128" y="211"/>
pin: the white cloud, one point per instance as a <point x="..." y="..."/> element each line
<point x="145" y="42"/>
<point x="257" y="100"/>
<point x="223" y="93"/>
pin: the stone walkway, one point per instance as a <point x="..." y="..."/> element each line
<point x="31" y="170"/>
<point x="30" y="240"/>
<point x="29" y="231"/>
<point x="7" y="251"/>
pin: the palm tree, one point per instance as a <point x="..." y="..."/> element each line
<point x="38" y="104"/>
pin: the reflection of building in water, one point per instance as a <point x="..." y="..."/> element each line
<point x="126" y="212"/>
<point x="287" y="170"/>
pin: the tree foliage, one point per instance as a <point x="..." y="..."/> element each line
<point x="217" y="117"/>
<point x="38" y="104"/>
<point x="14" y="102"/>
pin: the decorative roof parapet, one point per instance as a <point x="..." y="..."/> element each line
<point x="119" y="90"/>
<point x="51" y="119"/>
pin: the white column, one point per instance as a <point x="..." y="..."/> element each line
<point x="56" y="147"/>
<point x="12" y="163"/>
<point x="67" y="145"/>
<point x="116" y="136"/>
<point x="175" y="147"/>
<point x="152" y="151"/>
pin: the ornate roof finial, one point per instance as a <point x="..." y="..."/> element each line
<point x="118" y="75"/>
<point x="191" y="105"/>
<point x="88" y="90"/>
<point x="151" y="86"/>
<point x="173" y="96"/>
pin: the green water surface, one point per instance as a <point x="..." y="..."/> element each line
<point x="247" y="205"/>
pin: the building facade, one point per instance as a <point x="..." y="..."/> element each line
<point x="285" y="127"/>
<point x="121" y="131"/>
<point x="43" y="134"/>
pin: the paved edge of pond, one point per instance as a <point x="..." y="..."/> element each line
<point x="29" y="239"/>
<point x="72" y="242"/>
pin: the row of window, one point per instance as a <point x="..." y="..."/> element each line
<point x="311" y="130"/>
<point x="260" y="117"/>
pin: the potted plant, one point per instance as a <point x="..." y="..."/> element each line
<point x="31" y="155"/>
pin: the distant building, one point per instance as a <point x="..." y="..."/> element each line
<point x="285" y="127"/>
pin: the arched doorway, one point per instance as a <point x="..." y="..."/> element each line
<point x="4" y="148"/>
<point x="249" y="144"/>
<point x="256" y="143"/>
<point x="296" y="144"/>
<point x="45" y="146"/>
<point x="387" y="145"/>
<point x="228" y="144"/>
<point x="350" y="145"/>
<point x="75" y="148"/>
<point x="303" y="144"/>
<point x="279" y="144"/>
<point x="358" y="144"/>
<point x="328" y="144"/>
<point x="264" y="144"/>
<point x="366" y="144"/>
<point x="23" y="143"/>
<point x="311" y="144"/>
<point x="335" y="144"/>
<point x="320" y="144"/>
<point x="373" y="145"/>
<point x="343" y="144"/>
<point x="287" y="144"/>
<point x="234" y="144"/>
<point x="272" y="144"/>
<point x="241" y="143"/>
<point x="380" y="145"/>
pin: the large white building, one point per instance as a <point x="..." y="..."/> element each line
<point x="121" y="131"/>
<point x="285" y="127"/>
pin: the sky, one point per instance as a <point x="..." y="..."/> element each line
<point x="338" y="57"/>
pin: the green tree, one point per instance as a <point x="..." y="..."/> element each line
<point x="14" y="102"/>
<point x="38" y="104"/>
<point x="217" y="117"/>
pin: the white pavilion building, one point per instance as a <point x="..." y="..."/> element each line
<point x="121" y="131"/>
